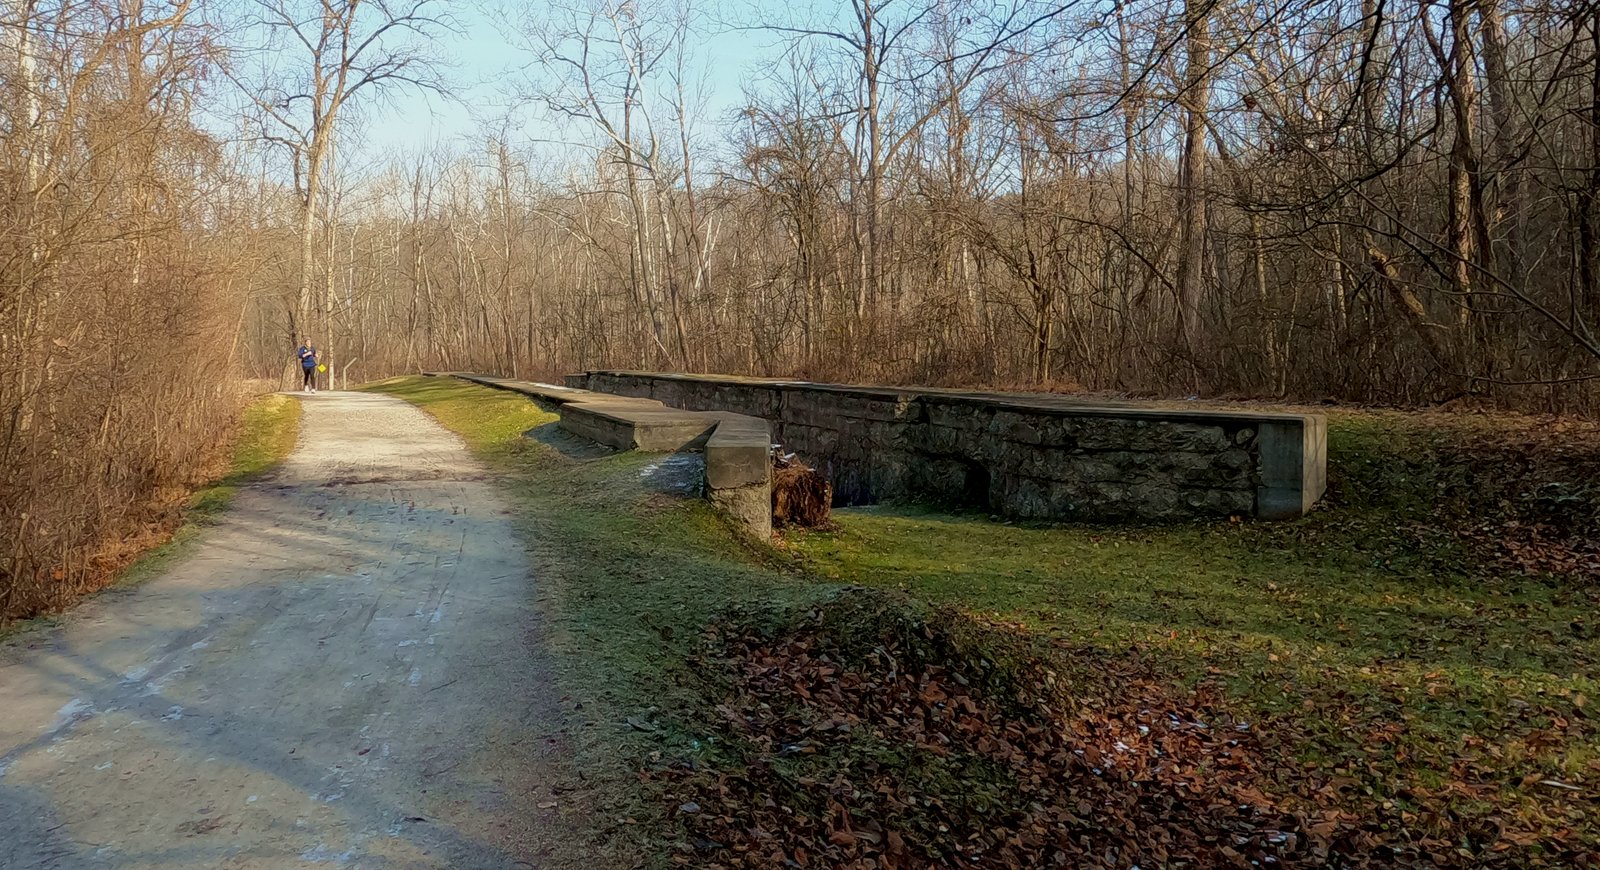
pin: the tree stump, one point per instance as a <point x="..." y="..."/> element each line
<point x="801" y="496"/>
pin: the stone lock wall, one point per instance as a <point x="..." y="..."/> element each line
<point x="1024" y="456"/>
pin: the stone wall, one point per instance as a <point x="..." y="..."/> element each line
<point x="1029" y="456"/>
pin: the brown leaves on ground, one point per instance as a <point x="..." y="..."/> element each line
<point x="1521" y="492"/>
<point x="895" y="760"/>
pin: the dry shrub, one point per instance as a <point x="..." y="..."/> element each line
<point x="118" y="324"/>
<point x="126" y="416"/>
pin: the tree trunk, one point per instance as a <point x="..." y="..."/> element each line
<point x="1192" y="179"/>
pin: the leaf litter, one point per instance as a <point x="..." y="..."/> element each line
<point x="865" y="734"/>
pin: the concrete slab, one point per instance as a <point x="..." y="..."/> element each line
<point x="738" y="474"/>
<point x="653" y="427"/>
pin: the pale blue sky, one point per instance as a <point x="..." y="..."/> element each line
<point x="486" y="67"/>
<point x="488" y="70"/>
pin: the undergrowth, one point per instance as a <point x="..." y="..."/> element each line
<point x="263" y="435"/>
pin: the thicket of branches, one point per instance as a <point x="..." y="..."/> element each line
<point x="1342" y="198"/>
<point x="118" y="328"/>
<point x="142" y="215"/>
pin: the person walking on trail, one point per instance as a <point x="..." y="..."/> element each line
<point x="308" y="366"/>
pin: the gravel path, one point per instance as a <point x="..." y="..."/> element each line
<point x="345" y="671"/>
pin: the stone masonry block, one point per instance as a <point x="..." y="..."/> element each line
<point x="1035" y="456"/>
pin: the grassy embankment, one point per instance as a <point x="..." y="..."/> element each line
<point x="265" y="435"/>
<point x="1402" y="659"/>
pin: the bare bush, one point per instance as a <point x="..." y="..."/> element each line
<point x="117" y="333"/>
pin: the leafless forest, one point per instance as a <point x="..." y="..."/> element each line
<point x="1357" y="200"/>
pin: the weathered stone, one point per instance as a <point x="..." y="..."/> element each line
<point x="957" y="415"/>
<point x="850" y="483"/>
<point x="1156" y="500"/>
<point x="892" y="474"/>
<point x="1069" y="499"/>
<point x="1240" y="502"/>
<point x="1095" y="469"/>
<point x="937" y="439"/>
<point x="765" y="403"/>
<point x="893" y="436"/>
<point x="843" y="403"/>
<point x="1111" y="497"/>
<point x="1013" y="426"/>
<point x="1203" y="439"/>
<point x="1115" y="435"/>
<point x="953" y="481"/>
<point x="810" y="439"/>
<point x="1023" y="455"/>
<point x="749" y="507"/>
<point x="1022" y="496"/>
<point x="1203" y="470"/>
<point x="1048" y="463"/>
<point x="1236" y="460"/>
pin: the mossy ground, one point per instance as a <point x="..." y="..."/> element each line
<point x="1394" y="647"/>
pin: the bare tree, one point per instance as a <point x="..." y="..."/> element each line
<point x="343" y="51"/>
<point x="106" y="275"/>
<point x="1240" y="198"/>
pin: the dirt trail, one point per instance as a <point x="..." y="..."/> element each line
<point x="344" y="672"/>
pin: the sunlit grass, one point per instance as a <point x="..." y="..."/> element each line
<point x="1347" y="622"/>
<point x="1385" y="652"/>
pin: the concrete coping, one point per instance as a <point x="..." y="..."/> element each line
<point x="739" y="452"/>
<point x="738" y="448"/>
<point x="1049" y="403"/>
<point x="536" y="389"/>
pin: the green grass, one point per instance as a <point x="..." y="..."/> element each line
<point x="1210" y="600"/>
<point x="628" y="578"/>
<point x="266" y="435"/>
<point x="1365" y="633"/>
<point x="1365" y="625"/>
